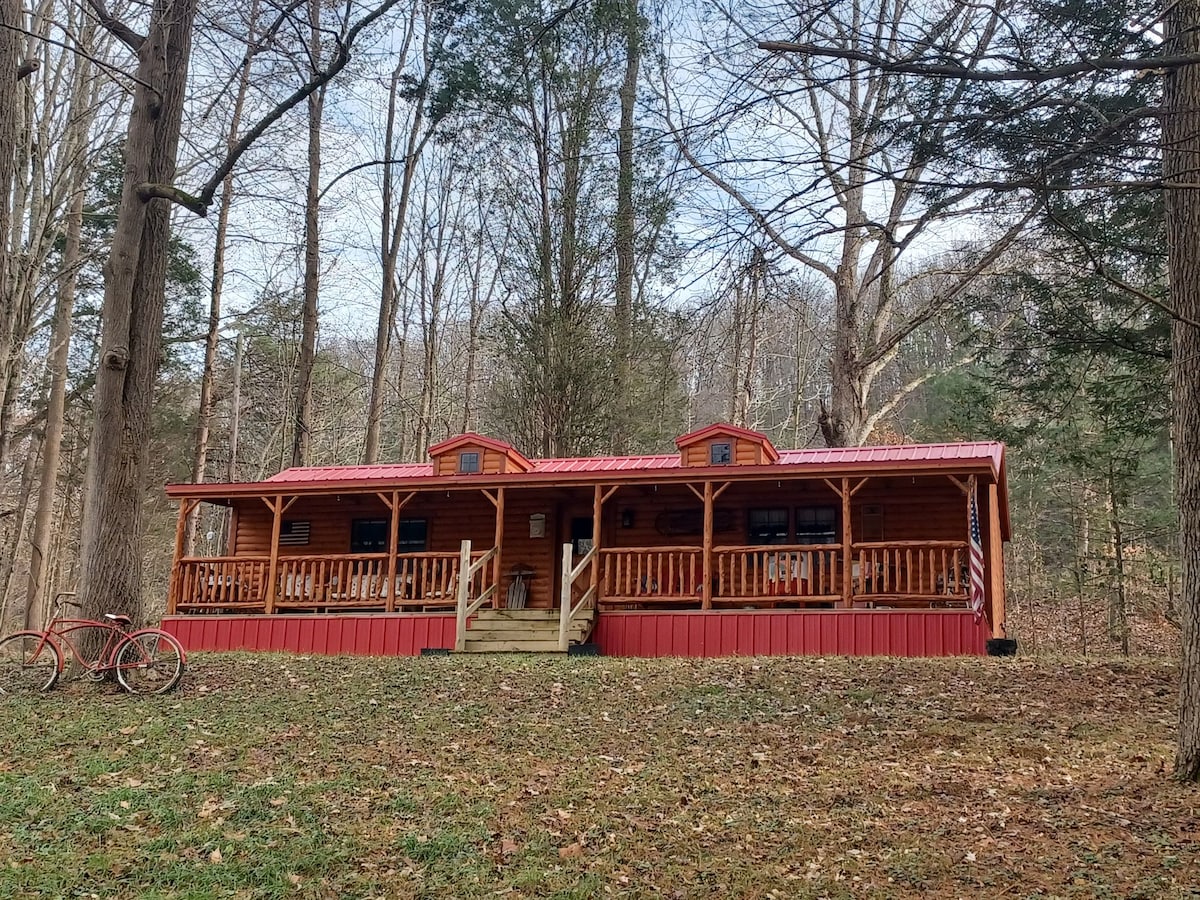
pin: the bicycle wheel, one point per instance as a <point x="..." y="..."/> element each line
<point x="29" y="663"/>
<point x="149" y="662"/>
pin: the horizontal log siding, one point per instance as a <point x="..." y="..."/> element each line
<point x="932" y="509"/>
<point x="491" y="462"/>
<point x="463" y="515"/>
<point x="744" y="452"/>
<point x="521" y="552"/>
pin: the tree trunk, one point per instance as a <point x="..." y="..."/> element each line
<point x="624" y="233"/>
<point x="131" y="321"/>
<point x="8" y="563"/>
<point x="391" y="234"/>
<point x="1181" y="159"/>
<point x="60" y="341"/>
<point x="10" y="57"/>
<point x="1118" y="609"/>
<point x="302" y="435"/>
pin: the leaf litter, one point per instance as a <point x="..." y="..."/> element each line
<point x="281" y="776"/>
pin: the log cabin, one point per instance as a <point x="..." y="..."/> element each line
<point x="727" y="546"/>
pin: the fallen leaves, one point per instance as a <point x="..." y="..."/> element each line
<point x="473" y="776"/>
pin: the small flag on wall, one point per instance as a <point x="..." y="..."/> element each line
<point x="976" y="554"/>
<point x="293" y="534"/>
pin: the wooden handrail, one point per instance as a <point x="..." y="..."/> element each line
<point x="570" y="574"/>
<point x="886" y="545"/>
<point x="583" y="564"/>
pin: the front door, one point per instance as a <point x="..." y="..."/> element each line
<point x="581" y="535"/>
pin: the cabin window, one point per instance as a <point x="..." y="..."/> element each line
<point x="468" y="463"/>
<point x="368" y="536"/>
<point x="412" y="536"/>
<point x="816" y="525"/>
<point x="721" y="453"/>
<point x="767" y="526"/>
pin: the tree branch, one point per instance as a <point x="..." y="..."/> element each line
<point x="1152" y="65"/>
<point x="116" y="27"/>
<point x="199" y="203"/>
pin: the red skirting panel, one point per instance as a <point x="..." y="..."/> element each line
<point x="792" y="633"/>
<point x="401" y="634"/>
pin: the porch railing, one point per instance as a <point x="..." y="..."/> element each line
<point x="649" y="574"/>
<point x="770" y="571"/>
<point x="356" y="580"/>
<point x="916" y="570"/>
<point x="220" y="582"/>
<point x="347" y="581"/>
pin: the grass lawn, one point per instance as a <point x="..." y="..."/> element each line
<point x="277" y="776"/>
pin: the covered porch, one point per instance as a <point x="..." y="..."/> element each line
<point x="865" y="542"/>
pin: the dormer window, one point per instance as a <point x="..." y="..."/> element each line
<point x="720" y="453"/>
<point x="468" y="463"/>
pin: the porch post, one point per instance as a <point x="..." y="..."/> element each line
<point x="706" y="593"/>
<point x="275" y="504"/>
<point x="186" y="505"/>
<point x="847" y="548"/>
<point x="564" y="610"/>
<point x="498" y="543"/>
<point x="995" y="561"/>
<point x="598" y="498"/>
<point x="393" y="539"/>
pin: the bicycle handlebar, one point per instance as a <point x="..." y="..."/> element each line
<point x="60" y="599"/>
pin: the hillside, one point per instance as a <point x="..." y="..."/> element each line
<point x="269" y="776"/>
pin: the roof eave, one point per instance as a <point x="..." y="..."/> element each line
<point x="219" y="491"/>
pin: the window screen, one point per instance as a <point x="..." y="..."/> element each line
<point x="816" y="525"/>
<point x="768" y="526"/>
<point x="412" y="536"/>
<point x="368" y="536"/>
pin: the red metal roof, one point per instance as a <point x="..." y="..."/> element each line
<point x="834" y="456"/>
<point x="383" y="472"/>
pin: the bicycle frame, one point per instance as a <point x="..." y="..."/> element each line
<point x="58" y="630"/>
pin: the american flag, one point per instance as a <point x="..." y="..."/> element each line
<point x="976" y="560"/>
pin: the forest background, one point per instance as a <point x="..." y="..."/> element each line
<point x="589" y="228"/>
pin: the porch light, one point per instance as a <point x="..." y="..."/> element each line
<point x="627" y="518"/>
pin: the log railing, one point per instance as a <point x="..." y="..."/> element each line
<point x="649" y="574"/>
<point x="356" y="580"/>
<point x="775" y="571"/>
<point x="219" y="582"/>
<point x="935" y="570"/>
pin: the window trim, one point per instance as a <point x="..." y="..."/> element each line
<point x="712" y="453"/>
<point x="462" y="462"/>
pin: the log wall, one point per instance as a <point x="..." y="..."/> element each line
<point x="895" y="508"/>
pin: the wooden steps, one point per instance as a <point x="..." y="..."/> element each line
<point x="522" y="631"/>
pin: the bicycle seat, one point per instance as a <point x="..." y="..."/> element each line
<point x="119" y="619"/>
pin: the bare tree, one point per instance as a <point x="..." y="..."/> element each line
<point x="132" y="313"/>
<point x="833" y="192"/>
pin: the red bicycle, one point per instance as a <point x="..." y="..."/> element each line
<point x="145" y="661"/>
